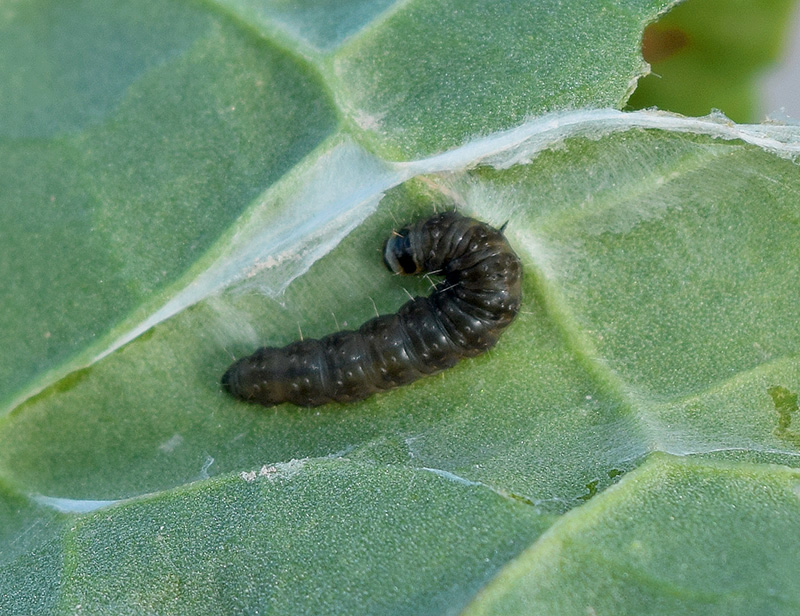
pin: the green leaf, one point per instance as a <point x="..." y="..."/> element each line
<point x="201" y="198"/>
<point x="272" y="540"/>
<point x="456" y="60"/>
<point x="177" y="140"/>
<point x="677" y="536"/>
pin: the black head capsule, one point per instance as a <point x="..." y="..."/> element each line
<point x="398" y="253"/>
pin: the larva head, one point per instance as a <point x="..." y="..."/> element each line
<point x="398" y="253"/>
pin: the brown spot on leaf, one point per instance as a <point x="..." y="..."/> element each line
<point x="785" y="403"/>
<point x="660" y="43"/>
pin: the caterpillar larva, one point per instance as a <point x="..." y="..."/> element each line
<point x="464" y="316"/>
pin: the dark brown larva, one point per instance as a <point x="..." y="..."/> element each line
<point x="464" y="316"/>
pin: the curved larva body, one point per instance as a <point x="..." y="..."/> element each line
<point x="464" y="316"/>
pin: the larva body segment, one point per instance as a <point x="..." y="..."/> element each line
<point x="464" y="316"/>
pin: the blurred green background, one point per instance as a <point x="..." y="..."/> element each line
<point x="738" y="56"/>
